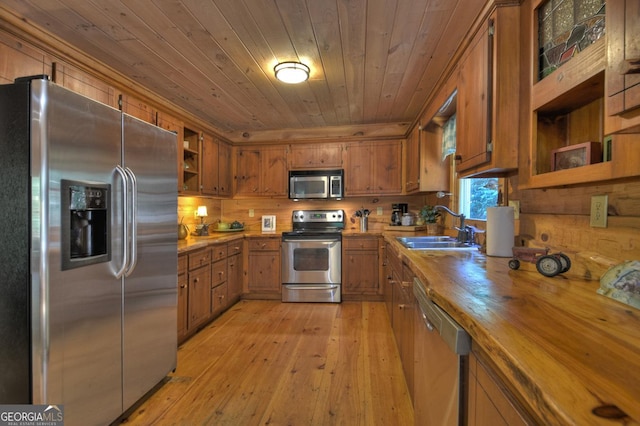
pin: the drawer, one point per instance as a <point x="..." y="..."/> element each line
<point x="264" y="244"/>
<point x="234" y="247"/>
<point x="360" y="243"/>
<point x="199" y="258"/>
<point x="182" y="264"/>
<point x="218" y="251"/>
<point x="218" y="272"/>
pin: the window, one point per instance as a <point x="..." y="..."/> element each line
<point x="476" y="195"/>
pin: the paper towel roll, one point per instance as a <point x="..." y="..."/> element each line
<point x="500" y="230"/>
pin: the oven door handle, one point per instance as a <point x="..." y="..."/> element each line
<point x="312" y="287"/>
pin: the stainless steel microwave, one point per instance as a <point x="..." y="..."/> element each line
<point x="316" y="184"/>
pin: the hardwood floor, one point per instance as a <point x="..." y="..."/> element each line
<point x="272" y="363"/>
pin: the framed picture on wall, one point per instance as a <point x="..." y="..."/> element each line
<point x="268" y="224"/>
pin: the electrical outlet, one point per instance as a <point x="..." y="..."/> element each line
<point x="251" y="212"/>
<point x="599" y="204"/>
<point x="379" y="211"/>
<point x="516" y="208"/>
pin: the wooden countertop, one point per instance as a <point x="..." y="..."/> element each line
<point x="194" y="243"/>
<point x="566" y="349"/>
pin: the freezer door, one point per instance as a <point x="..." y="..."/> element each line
<point x="76" y="313"/>
<point x="150" y="286"/>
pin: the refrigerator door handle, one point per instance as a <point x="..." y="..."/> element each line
<point x="133" y="224"/>
<point x="125" y="214"/>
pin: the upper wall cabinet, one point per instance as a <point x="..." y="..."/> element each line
<point x="172" y="124"/>
<point x="488" y="97"/>
<point x="216" y="170"/>
<point x="426" y="169"/>
<point x="191" y="161"/>
<point x="80" y="82"/>
<point x="138" y="109"/>
<point x="570" y="139"/>
<point x="261" y="171"/>
<point x="373" y="167"/>
<point x="315" y="156"/>
<point x="623" y="57"/>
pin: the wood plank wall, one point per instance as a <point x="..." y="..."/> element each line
<point x="230" y="210"/>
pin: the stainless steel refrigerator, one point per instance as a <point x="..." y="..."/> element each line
<point x="88" y="254"/>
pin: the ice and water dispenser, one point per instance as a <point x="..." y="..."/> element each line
<point x="85" y="238"/>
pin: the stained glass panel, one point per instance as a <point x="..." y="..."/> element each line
<point x="566" y="27"/>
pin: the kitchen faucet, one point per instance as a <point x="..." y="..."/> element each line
<point x="466" y="233"/>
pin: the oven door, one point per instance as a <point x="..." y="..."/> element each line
<point x="311" y="260"/>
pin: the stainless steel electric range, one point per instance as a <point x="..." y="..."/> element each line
<point x="312" y="257"/>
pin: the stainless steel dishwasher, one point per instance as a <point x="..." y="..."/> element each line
<point x="441" y="349"/>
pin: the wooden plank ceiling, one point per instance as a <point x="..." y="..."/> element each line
<point x="374" y="62"/>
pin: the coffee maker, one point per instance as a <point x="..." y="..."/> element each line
<point x="397" y="210"/>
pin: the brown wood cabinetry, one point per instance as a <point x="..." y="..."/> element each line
<point x="191" y="161"/>
<point x="412" y="161"/>
<point x="216" y="170"/>
<point x="261" y="171"/>
<point x="623" y="56"/>
<point x="488" y="96"/>
<point x="138" y="109"/>
<point x="400" y="279"/>
<point x="359" y="277"/>
<point x="234" y="271"/>
<point x="183" y="296"/>
<point x="263" y="271"/>
<point x="315" y="156"/>
<point x="219" y="283"/>
<point x="568" y="108"/>
<point x="373" y="167"/>
<point x="209" y="282"/>
<point x="80" y="82"/>
<point x="172" y="124"/>
<point x="489" y="401"/>
<point x="199" y="304"/>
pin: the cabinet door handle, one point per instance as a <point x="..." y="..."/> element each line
<point x="183" y="286"/>
<point x="196" y="281"/>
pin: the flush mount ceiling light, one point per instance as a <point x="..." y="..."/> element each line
<point x="291" y="72"/>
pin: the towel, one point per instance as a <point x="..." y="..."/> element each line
<point x="449" y="137"/>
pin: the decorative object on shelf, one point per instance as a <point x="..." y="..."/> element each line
<point x="268" y="224"/>
<point x="237" y="225"/>
<point x="576" y="155"/>
<point x="291" y="72"/>
<point x="622" y="283"/>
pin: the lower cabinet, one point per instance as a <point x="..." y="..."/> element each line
<point x="183" y="292"/>
<point x="209" y="282"/>
<point x="199" y="299"/>
<point x="359" y="277"/>
<point x="489" y="401"/>
<point x="234" y="271"/>
<point x="263" y="275"/>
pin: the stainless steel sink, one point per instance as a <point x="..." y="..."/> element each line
<point x="435" y="242"/>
